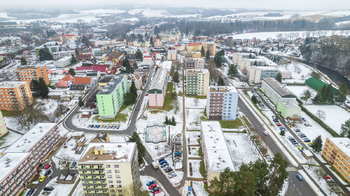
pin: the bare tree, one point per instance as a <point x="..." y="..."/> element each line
<point x="175" y="104"/>
<point x="196" y="101"/>
<point x="64" y="162"/>
<point x="321" y="115"/>
<point x="319" y="172"/>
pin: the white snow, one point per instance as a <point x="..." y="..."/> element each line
<point x="197" y="186"/>
<point x="102" y="11"/>
<point x="195" y="169"/>
<point x="145" y="179"/>
<point x="136" y="11"/>
<point x="59" y="189"/>
<point x="9" y="139"/>
<point x="154" y="13"/>
<point x="79" y="191"/>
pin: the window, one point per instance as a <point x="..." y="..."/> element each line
<point x="108" y="166"/>
<point x="117" y="176"/>
<point x="111" y="186"/>
<point x="110" y="181"/>
<point x="109" y="171"/>
<point x="109" y="176"/>
<point x="119" y="181"/>
<point x="116" y="166"/>
<point x="119" y="186"/>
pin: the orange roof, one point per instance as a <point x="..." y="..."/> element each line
<point x="82" y="80"/>
<point x="194" y="44"/>
<point x="68" y="78"/>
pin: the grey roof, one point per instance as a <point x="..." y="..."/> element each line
<point x="106" y="79"/>
<point x="159" y="79"/>
<point x="283" y="92"/>
<point x="112" y="84"/>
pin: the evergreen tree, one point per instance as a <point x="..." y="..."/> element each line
<point x="341" y="94"/>
<point x="250" y="56"/>
<point x="166" y="120"/>
<point x="255" y="63"/>
<point x="140" y="147"/>
<point x="35" y="85"/>
<point x="71" y="72"/>
<point x="317" y="144"/>
<point x="81" y="102"/>
<point x="260" y="53"/>
<point x="254" y="99"/>
<point x="221" y="82"/>
<point x="173" y="121"/>
<point x="306" y="95"/>
<point x="151" y="42"/>
<point x="207" y="56"/>
<point x="232" y="70"/>
<point x="278" y="167"/>
<point x="44" y="90"/>
<point x="74" y="59"/>
<point x="133" y="89"/>
<point x="329" y="94"/>
<point x="176" y="77"/>
<point x="202" y="51"/>
<point x="279" y="77"/>
<point x="138" y="55"/>
<point x="345" y="128"/>
<point x="261" y="171"/>
<point x="23" y="61"/>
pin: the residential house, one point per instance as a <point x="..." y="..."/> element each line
<point x="88" y="81"/>
<point x="64" y="82"/>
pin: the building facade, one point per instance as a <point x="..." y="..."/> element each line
<point x="245" y="64"/>
<point x="222" y="103"/>
<point x="30" y="73"/>
<point x="21" y="159"/>
<point x="191" y="63"/>
<point x="336" y="151"/>
<point x="157" y="89"/>
<point x="209" y="46"/>
<point x="109" y="169"/>
<point x="275" y="91"/>
<point x="237" y="57"/>
<point x="197" y="82"/>
<point x="112" y="96"/>
<point x="3" y="128"/>
<point x="15" y="95"/>
<point x="288" y="109"/>
<point x="193" y="55"/>
<point x="256" y="73"/>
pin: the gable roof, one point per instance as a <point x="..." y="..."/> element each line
<point x="114" y="55"/>
<point x="82" y="80"/>
<point x="68" y="78"/>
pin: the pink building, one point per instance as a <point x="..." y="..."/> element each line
<point x="63" y="83"/>
<point x="20" y="160"/>
<point x="157" y="89"/>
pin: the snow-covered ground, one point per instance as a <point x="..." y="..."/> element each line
<point x="9" y="139"/>
<point x="298" y="90"/>
<point x="195" y="169"/>
<point x="193" y="137"/>
<point x="136" y="11"/>
<point x="193" y="116"/>
<point x="197" y="186"/>
<point x="192" y="102"/>
<point x="335" y="115"/>
<point x="145" y="179"/>
<point x="79" y="191"/>
<point x="300" y="73"/>
<point x="59" y="189"/>
<point x="102" y="11"/>
<point x="154" y="13"/>
<point x="194" y="151"/>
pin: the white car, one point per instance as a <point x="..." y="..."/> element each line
<point x="172" y="175"/>
<point x="265" y="133"/>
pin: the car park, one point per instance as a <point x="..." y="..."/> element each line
<point x="265" y="133"/>
<point x="49" y="188"/>
<point x="152" y="186"/>
<point x="172" y="175"/>
<point x="42" y="178"/>
<point x="150" y="183"/>
<point x="299" y="177"/>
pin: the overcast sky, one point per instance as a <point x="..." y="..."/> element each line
<point x="250" y="4"/>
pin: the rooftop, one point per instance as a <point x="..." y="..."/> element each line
<point x="31" y="138"/>
<point x="11" y="84"/>
<point x="159" y="79"/>
<point x="64" y="58"/>
<point x="111" y="152"/>
<point x="106" y="79"/>
<point x="193" y="44"/>
<point x="222" y="89"/>
<point x="166" y="65"/>
<point x="281" y="90"/>
<point x="264" y="68"/>
<point x="9" y="162"/>
<point x="268" y="61"/>
<point x="218" y="155"/>
<point x="196" y="71"/>
<point x="289" y="103"/>
<point x="112" y="84"/>
<point x="342" y="143"/>
<point x="82" y="80"/>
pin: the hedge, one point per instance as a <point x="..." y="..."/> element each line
<point x="324" y="125"/>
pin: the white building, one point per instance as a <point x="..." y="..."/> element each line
<point x="236" y="57"/>
<point x="256" y="73"/>
<point x="222" y="102"/>
<point x="246" y="63"/>
<point x="60" y="63"/>
<point x="172" y="55"/>
<point x="275" y="90"/>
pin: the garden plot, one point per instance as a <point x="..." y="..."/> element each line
<point x="192" y="102"/>
<point x="335" y="115"/>
<point x="193" y="152"/>
<point x="59" y="189"/>
<point x="192" y="137"/>
<point x="195" y="169"/>
<point x="242" y="150"/>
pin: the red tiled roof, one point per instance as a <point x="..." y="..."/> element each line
<point x="110" y="71"/>
<point x="82" y="80"/>
<point x="68" y="78"/>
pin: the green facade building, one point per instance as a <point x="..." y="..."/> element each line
<point x="112" y="96"/>
<point x="288" y="109"/>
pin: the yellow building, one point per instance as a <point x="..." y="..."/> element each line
<point x="193" y="47"/>
<point x="209" y="46"/>
<point x="336" y="151"/>
<point x="3" y="128"/>
<point x="193" y="55"/>
<point x="109" y="169"/>
<point x="114" y="56"/>
<point x="1" y="58"/>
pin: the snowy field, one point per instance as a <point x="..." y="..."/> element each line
<point x="192" y="102"/>
<point x="193" y="116"/>
<point x="192" y="137"/>
<point x="102" y="11"/>
<point x="335" y="115"/>
<point x="194" y="151"/>
<point x="9" y="139"/>
<point x="136" y="11"/>
<point x="195" y="169"/>
<point x="300" y="73"/>
<point x="242" y="150"/>
<point x="79" y="191"/>
<point x="59" y="189"/>
<point x="198" y="188"/>
<point x="298" y="90"/>
<point x="154" y="13"/>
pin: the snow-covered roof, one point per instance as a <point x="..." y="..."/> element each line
<point x="218" y="155"/>
<point x="32" y="137"/>
<point x="308" y="153"/>
<point x="196" y="71"/>
<point x="159" y="79"/>
<point x="112" y="152"/>
<point x="166" y="65"/>
<point x="9" y="162"/>
<point x="289" y="103"/>
<point x="268" y="61"/>
<point x="11" y="84"/>
<point x="221" y="89"/>
<point x="342" y="143"/>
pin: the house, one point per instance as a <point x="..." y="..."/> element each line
<point x="66" y="96"/>
<point x="114" y="57"/>
<point x="193" y="47"/>
<point x="84" y="57"/>
<point x="137" y="80"/>
<point x="88" y="81"/>
<point x="100" y="68"/>
<point x="101" y="137"/>
<point x="179" y="47"/>
<point x="64" y="82"/>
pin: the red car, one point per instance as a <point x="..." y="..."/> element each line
<point x="48" y="166"/>
<point x="146" y="94"/>
<point x="279" y="125"/>
<point x="327" y="177"/>
<point x="152" y="186"/>
<point x="157" y="192"/>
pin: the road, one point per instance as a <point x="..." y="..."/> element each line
<point x="323" y="165"/>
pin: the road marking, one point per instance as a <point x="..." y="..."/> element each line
<point x="291" y="169"/>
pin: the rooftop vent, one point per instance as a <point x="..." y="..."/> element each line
<point x="7" y="165"/>
<point x="33" y="132"/>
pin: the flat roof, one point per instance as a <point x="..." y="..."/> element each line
<point x="263" y="68"/>
<point x="112" y="84"/>
<point x="112" y="152"/>
<point x="219" y="157"/>
<point x="166" y="65"/>
<point x="222" y="89"/>
<point x="289" y="103"/>
<point x="268" y="61"/>
<point x="159" y="79"/>
<point x="11" y="84"/>
<point x="9" y="162"/>
<point x="31" y="138"/>
<point x="64" y="58"/>
<point x="195" y="71"/>
<point x="282" y="91"/>
<point x="342" y="143"/>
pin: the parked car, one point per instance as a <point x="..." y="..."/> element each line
<point x="152" y="186"/>
<point x="299" y="177"/>
<point x="302" y="118"/>
<point x="279" y="125"/>
<point x="297" y="130"/>
<point x="275" y="120"/>
<point x="160" y="159"/>
<point x="327" y="177"/>
<point x="296" y="144"/>
<point x="48" y="166"/>
<point x="169" y="169"/>
<point x="302" y="135"/>
<point x="98" y="126"/>
<point x="114" y="127"/>
<point x="329" y="180"/>
<point x="101" y="126"/>
<point x="48" y="172"/>
<point x="48" y="188"/>
<point x="164" y="165"/>
<point x="111" y="126"/>
<point x="118" y="126"/>
<point x="178" y="152"/>
<point x="73" y="164"/>
<point x="282" y="128"/>
<point x="155" y="190"/>
<point x="309" y="143"/>
<point x="146" y="94"/>
<point x="265" y="133"/>
<point x="42" y="178"/>
<point x="162" y="162"/>
<point x="172" y="175"/>
<point x="150" y="183"/>
<point x="307" y="140"/>
<point x="30" y="192"/>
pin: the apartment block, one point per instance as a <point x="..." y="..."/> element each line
<point x="216" y="156"/>
<point x="30" y="73"/>
<point x="193" y="47"/>
<point x="110" y="168"/>
<point x="15" y="95"/>
<point x="209" y="46"/>
<point x="246" y="63"/>
<point x="192" y="63"/>
<point x="172" y="55"/>
<point x="112" y="96"/>
<point x="288" y="109"/>
<point x="194" y="55"/>
<point x="3" y="128"/>
<point x="20" y="160"/>
<point x="275" y="91"/>
<point x="236" y="57"/>
<point x="157" y="89"/>
<point x="197" y="82"/>
<point x="336" y="151"/>
<point x="51" y="46"/>
<point x="222" y="103"/>
<point x="256" y="73"/>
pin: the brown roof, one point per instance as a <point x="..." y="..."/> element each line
<point x="114" y="55"/>
<point x="82" y="80"/>
<point x="110" y="71"/>
<point x="137" y="76"/>
<point x="68" y="78"/>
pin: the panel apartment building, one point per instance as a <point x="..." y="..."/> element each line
<point x="193" y="63"/>
<point x="20" y="160"/>
<point x="109" y="169"/>
<point x="112" y="96"/>
<point x="157" y="89"/>
<point x="336" y="151"/>
<point x="29" y="73"/>
<point x="3" y="128"/>
<point x="15" y="95"/>
<point x="276" y="91"/>
<point x="209" y="46"/>
<point x="197" y="82"/>
<point x="222" y="103"/>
